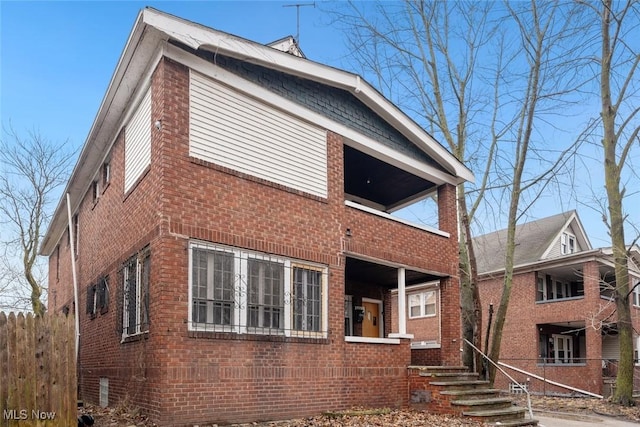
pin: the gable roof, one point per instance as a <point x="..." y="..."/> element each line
<point x="152" y="36"/>
<point x="533" y="241"/>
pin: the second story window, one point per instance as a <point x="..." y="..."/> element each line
<point x="635" y="292"/>
<point x="106" y="174"/>
<point x="95" y="191"/>
<point x="551" y="288"/>
<point x="567" y="244"/>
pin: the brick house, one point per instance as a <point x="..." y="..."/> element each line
<point x="561" y="322"/>
<point x="234" y="245"/>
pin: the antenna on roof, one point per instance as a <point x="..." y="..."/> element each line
<point x="297" y="6"/>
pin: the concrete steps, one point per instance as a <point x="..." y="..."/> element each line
<point x="454" y="390"/>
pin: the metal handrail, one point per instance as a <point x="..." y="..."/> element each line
<point x="507" y="375"/>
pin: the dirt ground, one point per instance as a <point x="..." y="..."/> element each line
<point x="127" y="416"/>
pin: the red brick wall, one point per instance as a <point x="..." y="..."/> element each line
<point x="181" y="379"/>
<point x="520" y="337"/>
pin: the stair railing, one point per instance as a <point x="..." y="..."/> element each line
<point x="524" y="389"/>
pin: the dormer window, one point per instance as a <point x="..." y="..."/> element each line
<point x="567" y="244"/>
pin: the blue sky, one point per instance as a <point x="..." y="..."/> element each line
<point x="57" y="58"/>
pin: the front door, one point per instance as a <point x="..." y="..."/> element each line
<point x="371" y="322"/>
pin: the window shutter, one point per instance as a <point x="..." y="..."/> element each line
<point x="91" y="291"/>
<point x="103" y="295"/>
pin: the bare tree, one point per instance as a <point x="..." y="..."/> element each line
<point x="620" y="121"/>
<point x="479" y="76"/>
<point x="424" y="56"/>
<point x="32" y="169"/>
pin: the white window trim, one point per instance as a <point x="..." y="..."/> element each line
<point x="372" y="340"/>
<point x="423" y="298"/>
<point x="139" y="302"/>
<point x="635" y="294"/>
<point x="324" y="313"/>
<point x="239" y="325"/>
<point x="556" y="284"/>
<point x="568" y="243"/>
<point x="567" y="340"/>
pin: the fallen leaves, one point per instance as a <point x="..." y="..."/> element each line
<point x="124" y="415"/>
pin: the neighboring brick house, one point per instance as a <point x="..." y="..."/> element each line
<point x="561" y="322"/>
<point x="235" y="251"/>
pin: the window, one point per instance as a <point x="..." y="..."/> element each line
<point x="636" y="293"/>
<point x="307" y="303"/>
<point x="106" y="174"/>
<point x="102" y="295"/>
<point x="562" y="349"/>
<point x="246" y="292"/>
<point x="97" y="297"/>
<point x="213" y="287"/>
<point x="76" y="227"/>
<point x="567" y="244"/>
<point x="266" y="294"/>
<point x="135" y="313"/>
<point x="562" y="344"/>
<point x="549" y="288"/>
<point x="95" y="191"/>
<point x="422" y="304"/>
<point x="91" y="301"/>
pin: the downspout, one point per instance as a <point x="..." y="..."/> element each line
<point x="73" y="271"/>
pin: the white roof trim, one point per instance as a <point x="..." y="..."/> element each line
<point x="197" y="36"/>
<point x="153" y="28"/>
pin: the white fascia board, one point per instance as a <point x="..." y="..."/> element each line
<point x="575" y="258"/>
<point x="583" y="237"/>
<point x="353" y="138"/>
<point x="197" y="36"/>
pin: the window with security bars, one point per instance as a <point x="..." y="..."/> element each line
<point x="213" y="287"/>
<point x="266" y="294"/>
<point x="235" y="290"/>
<point x="307" y="293"/>
<point x="135" y="312"/>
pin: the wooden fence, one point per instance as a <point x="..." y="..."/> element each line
<point x="38" y="385"/>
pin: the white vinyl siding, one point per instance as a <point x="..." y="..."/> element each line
<point x="235" y="131"/>
<point x="610" y="347"/>
<point x="137" y="143"/>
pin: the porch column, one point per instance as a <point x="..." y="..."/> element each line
<point x="402" y="308"/>
<point x="402" y="302"/>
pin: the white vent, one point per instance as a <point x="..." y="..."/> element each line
<point x="104" y="392"/>
<point x="238" y="132"/>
